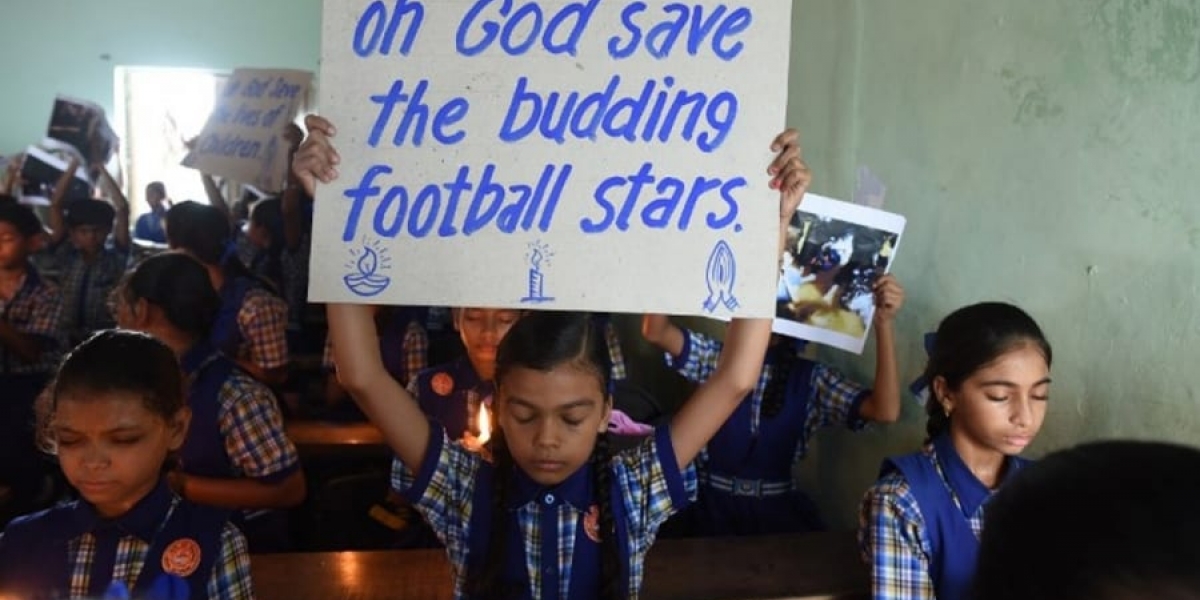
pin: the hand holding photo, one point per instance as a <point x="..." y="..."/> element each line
<point x="836" y="252"/>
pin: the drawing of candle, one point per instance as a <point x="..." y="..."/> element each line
<point x="364" y="279"/>
<point x="539" y="253"/>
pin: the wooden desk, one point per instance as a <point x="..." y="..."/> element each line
<point x="315" y="437"/>
<point x="812" y="566"/>
<point x="343" y="439"/>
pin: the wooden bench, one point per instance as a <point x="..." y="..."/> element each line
<point x="325" y="438"/>
<point x="809" y="566"/>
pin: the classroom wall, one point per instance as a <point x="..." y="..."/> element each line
<point x="1044" y="153"/>
<point x="72" y="47"/>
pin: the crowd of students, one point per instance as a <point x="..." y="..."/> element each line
<point x="156" y="387"/>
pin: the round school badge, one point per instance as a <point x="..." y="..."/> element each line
<point x="442" y="384"/>
<point x="591" y="523"/>
<point x="182" y="557"/>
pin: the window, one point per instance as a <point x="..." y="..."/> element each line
<point x="157" y="110"/>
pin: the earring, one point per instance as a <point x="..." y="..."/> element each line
<point x="945" y="408"/>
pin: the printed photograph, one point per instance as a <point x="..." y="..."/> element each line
<point x="835" y="253"/>
<point x="83" y="125"/>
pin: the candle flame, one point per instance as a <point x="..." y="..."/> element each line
<point x="368" y="262"/>
<point x="485" y="425"/>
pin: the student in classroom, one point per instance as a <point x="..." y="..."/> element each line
<point x="237" y="454"/>
<point x="264" y="229"/>
<point x="747" y="482"/>
<point x="452" y="394"/>
<point x="251" y="326"/>
<point x="403" y="347"/>
<point x="86" y="266"/>
<point x="152" y="226"/>
<point x="116" y="416"/>
<point x="297" y="210"/>
<point x="552" y="410"/>
<point x="989" y="381"/>
<point x="1110" y="520"/>
<point x="30" y="346"/>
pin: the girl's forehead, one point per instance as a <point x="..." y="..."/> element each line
<point x="101" y="407"/>
<point x="560" y="385"/>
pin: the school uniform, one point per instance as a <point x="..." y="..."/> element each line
<point x="86" y="286"/>
<point x="747" y="485"/>
<point x="403" y="345"/>
<point x="251" y="324"/>
<point x="151" y="228"/>
<point x="450" y="395"/>
<point x="35" y="310"/>
<point x="236" y="431"/>
<point x="293" y="264"/>
<point x="164" y="548"/>
<point x="919" y="524"/>
<point x="552" y="550"/>
<point x="613" y="342"/>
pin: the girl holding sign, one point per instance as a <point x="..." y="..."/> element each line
<point x="989" y="378"/>
<point x="550" y="500"/>
<point x="746" y="471"/>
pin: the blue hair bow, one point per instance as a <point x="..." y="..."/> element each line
<point x="920" y="387"/>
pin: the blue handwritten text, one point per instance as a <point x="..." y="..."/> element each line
<point x="658" y="213"/>
<point x="465" y="205"/>
<point x="415" y="116"/>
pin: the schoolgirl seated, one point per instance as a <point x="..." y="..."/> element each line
<point x="115" y="418"/>
<point x="251" y="326"/>
<point x="989" y="382"/>
<point x="237" y="454"/>
<point x="553" y="514"/>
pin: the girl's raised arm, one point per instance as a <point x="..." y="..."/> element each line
<point x="746" y="339"/>
<point x="352" y="330"/>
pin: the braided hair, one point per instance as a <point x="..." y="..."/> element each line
<point x="542" y="341"/>
<point x="775" y="392"/>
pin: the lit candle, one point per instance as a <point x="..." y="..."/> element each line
<point x="485" y="425"/>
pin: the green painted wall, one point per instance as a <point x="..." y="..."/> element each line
<point x="1043" y="151"/>
<point x="1045" y="154"/>
<point x="72" y="47"/>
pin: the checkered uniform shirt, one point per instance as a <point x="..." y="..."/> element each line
<point x="86" y="288"/>
<point x="263" y="320"/>
<point x="833" y="399"/>
<point x="414" y="350"/>
<point x="643" y="474"/>
<point x="613" y="341"/>
<point x="230" y="579"/>
<point x="295" y="281"/>
<point x="252" y="426"/>
<point x="892" y="537"/>
<point x="35" y="310"/>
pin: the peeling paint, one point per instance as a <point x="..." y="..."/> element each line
<point x="1152" y="39"/>
<point x="1032" y="96"/>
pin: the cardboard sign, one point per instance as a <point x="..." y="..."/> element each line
<point x="835" y="253"/>
<point x="242" y="139"/>
<point x="44" y="165"/>
<point x="83" y="126"/>
<point x="583" y="155"/>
